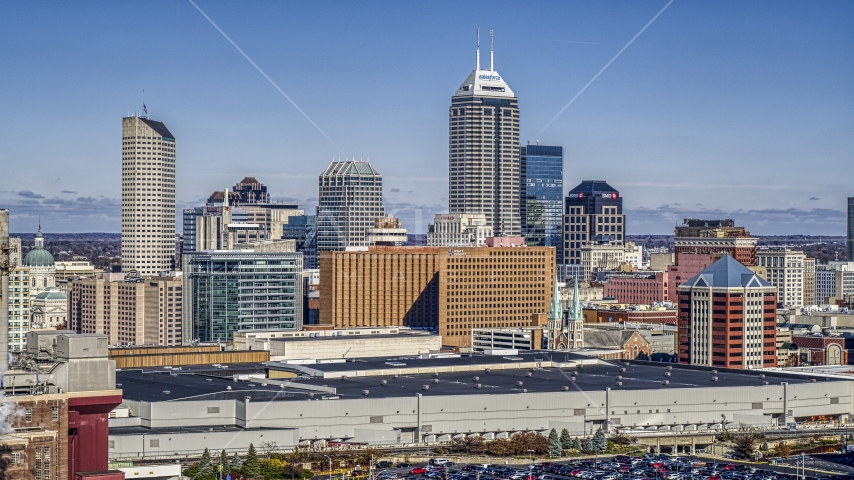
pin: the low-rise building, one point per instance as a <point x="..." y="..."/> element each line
<point x="821" y="349"/>
<point x="348" y="346"/>
<point x="785" y="270"/>
<point x="386" y="231"/>
<point x="493" y="339"/>
<point x="49" y="309"/>
<point x="632" y="344"/>
<point x="458" y="230"/>
<point x="72" y="269"/>
<point x="629" y="314"/>
<point x="601" y="256"/>
<point x="640" y="288"/>
<point x="128" y="309"/>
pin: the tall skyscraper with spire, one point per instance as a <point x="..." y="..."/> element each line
<point x="483" y="146"/>
<point x="148" y="196"/>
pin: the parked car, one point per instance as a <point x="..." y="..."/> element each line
<point x="384" y="464"/>
<point x="418" y="471"/>
<point x="402" y="465"/>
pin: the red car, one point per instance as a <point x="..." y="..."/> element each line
<point x="418" y="471"/>
<point x="730" y="466"/>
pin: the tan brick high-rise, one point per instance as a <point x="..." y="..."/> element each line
<point x="449" y="289"/>
<point x="148" y="196"/>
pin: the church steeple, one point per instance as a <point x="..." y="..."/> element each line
<point x="556" y="310"/>
<point x="575" y="313"/>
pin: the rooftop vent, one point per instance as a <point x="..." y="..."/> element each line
<point x="714" y="372"/>
<point x="528" y="374"/>
<point x="620" y="384"/>
<point x="365" y="392"/>
<point x="812" y="380"/>
<point x="669" y="368"/>
<point x="665" y="382"/>
<point x="765" y="383"/>
<point x="564" y="388"/>
<point x="761" y="375"/>
<point x="619" y="377"/>
<point x="435" y="374"/>
<point x="383" y="382"/>
<point x="476" y="379"/>
<point x="343" y="377"/>
<point x="477" y="385"/>
<point x="518" y="384"/>
<point x="623" y="370"/>
<point x="167" y="392"/>
<point x="714" y="379"/>
<point x="425" y="387"/>
<point x="209" y="379"/>
<point x="524" y="390"/>
<point x="435" y="380"/>
<point x="666" y="374"/>
<point x="228" y="387"/>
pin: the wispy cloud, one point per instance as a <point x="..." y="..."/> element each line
<point x="69" y="192"/>
<point x="814" y="198"/>
<point x="395" y="190"/>
<point x="29" y="194"/>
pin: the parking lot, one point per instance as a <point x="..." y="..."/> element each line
<point x="614" y="468"/>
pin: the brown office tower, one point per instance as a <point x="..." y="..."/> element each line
<point x="715" y="237"/>
<point x="449" y="289"/>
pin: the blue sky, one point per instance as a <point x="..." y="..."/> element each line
<point x="720" y="108"/>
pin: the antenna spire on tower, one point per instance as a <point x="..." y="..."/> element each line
<point x="477" y="65"/>
<point x="491" y="53"/>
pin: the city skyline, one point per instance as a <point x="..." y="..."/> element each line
<point x="746" y="94"/>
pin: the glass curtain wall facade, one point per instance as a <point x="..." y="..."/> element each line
<point x="233" y="291"/>
<point x="350" y="199"/>
<point x="541" y="194"/>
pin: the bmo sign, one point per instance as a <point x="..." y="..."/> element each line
<point x="580" y="195"/>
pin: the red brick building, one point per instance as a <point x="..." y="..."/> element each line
<point x="640" y="289"/>
<point x="821" y="350"/>
<point x="606" y="315"/>
<point x="59" y="435"/>
<point x="727" y="318"/>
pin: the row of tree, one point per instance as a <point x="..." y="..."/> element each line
<point x="206" y="469"/>
<point x="525" y="443"/>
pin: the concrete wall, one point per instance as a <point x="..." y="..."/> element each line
<point x="170" y="444"/>
<point x="350" y="347"/>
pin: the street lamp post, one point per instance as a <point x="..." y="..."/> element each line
<point x="330" y="466"/>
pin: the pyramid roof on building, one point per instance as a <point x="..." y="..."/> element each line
<point x="484" y="83"/>
<point x="593" y="187"/>
<point x="248" y="180"/>
<point x="727" y="273"/>
<point x="350" y="167"/>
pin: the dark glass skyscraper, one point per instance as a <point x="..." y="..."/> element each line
<point x="593" y="214"/>
<point x="541" y="195"/>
